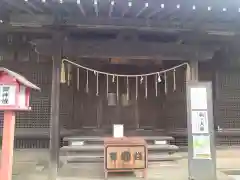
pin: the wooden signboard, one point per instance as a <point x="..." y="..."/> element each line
<point x="125" y="154"/>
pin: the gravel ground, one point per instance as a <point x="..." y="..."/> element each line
<point x="33" y="165"/>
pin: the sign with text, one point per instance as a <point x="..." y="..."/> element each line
<point x="201" y="146"/>
<point x="200" y="122"/>
<point x="7" y="95"/>
<point x="127" y="154"/>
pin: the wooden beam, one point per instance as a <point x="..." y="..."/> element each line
<point x="131" y="50"/>
<point x="136" y="49"/>
<point x="188" y="37"/>
<point x="40" y="20"/>
<point x="121" y="23"/>
<point x="8" y="28"/>
<point x="25" y="20"/>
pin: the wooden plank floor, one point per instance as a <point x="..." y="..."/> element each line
<point x="33" y="164"/>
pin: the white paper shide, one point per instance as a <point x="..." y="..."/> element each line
<point x="118" y="130"/>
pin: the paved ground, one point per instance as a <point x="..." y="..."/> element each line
<point x="32" y="165"/>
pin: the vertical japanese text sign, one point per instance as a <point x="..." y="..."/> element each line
<point x="201" y="139"/>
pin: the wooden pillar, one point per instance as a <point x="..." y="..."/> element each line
<point x="194" y="70"/>
<point x="55" y="103"/>
<point x="7" y="145"/>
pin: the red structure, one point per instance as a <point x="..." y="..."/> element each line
<point x="14" y="96"/>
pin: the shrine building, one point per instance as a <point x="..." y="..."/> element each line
<point x="105" y="62"/>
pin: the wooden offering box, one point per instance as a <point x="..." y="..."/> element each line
<point x="125" y="154"/>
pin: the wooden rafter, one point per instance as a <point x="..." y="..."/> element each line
<point x="34" y="7"/>
<point x="19" y="5"/>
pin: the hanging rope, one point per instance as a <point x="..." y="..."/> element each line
<point x="107" y="86"/>
<point x="125" y="75"/>
<point x="188" y="73"/>
<point x="117" y="89"/>
<point x="136" y="87"/>
<point x="63" y="73"/>
<point x="87" y="83"/>
<point x="115" y="78"/>
<point x="97" y="93"/>
<point x="127" y="89"/>
<point x="156" y="85"/>
<point x="165" y="84"/>
<point x="78" y="79"/>
<point x="174" y="80"/>
<point x="69" y="74"/>
<point x="146" y="87"/>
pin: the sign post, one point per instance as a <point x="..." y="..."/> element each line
<point x="201" y="138"/>
<point x="14" y="96"/>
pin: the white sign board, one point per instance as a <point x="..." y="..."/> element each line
<point x="199" y="122"/>
<point x="198" y="98"/>
<point x="7" y="95"/>
<point x="201" y="147"/>
<point x="22" y="97"/>
<point x="118" y="130"/>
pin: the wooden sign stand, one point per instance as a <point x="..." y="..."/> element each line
<point x="127" y="154"/>
<point x="14" y="96"/>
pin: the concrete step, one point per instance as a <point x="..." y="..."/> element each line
<point x="92" y="148"/>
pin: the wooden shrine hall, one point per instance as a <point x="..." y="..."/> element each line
<point x="105" y="62"/>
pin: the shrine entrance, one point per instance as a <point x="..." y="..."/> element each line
<point x="136" y="100"/>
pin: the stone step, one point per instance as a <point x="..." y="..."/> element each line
<point x="92" y="148"/>
<point x="182" y="132"/>
<point x="84" y="158"/>
<point x="101" y="139"/>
